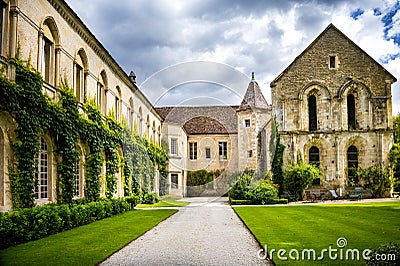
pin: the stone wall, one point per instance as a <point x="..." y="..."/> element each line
<point x="354" y="72"/>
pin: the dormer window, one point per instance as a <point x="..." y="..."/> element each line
<point x="333" y="62"/>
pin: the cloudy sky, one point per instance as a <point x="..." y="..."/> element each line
<point x="203" y="52"/>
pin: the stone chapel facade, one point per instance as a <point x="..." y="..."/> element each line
<point x="333" y="104"/>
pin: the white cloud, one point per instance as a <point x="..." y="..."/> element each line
<point x="260" y="36"/>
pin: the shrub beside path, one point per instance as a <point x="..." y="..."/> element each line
<point x="206" y="232"/>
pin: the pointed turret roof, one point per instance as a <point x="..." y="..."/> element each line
<point x="253" y="97"/>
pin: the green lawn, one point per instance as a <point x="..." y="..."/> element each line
<point x="363" y="225"/>
<point x="85" y="245"/>
<point x="167" y="202"/>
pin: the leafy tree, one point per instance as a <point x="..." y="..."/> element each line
<point x="276" y="150"/>
<point x="376" y="178"/>
<point x="298" y="176"/>
<point x="396" y="128"/>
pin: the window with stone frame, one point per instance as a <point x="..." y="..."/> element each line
<point x="100" y="89"/>
<point x="247" y="122"/>
<point x="77" y="184"/>
<point x="223" y="150"/>
<point x="174" y="180"/>
<point x="42" y="174"/>
<point x="352" y="163"/>
<point x="193" y="150"/>
<point x="2" y="12"/>
<point x="332" y="61"/>
<point x="48" y="51"/>
<point x="116" y="107"/>
<point x="313" y="158"/>
<point x="174" y="146"/>
<point x="312" y="113"/>
<point x="79" y="82"/>
<point x="351" y="112"/>
<point x="208" y="153"/>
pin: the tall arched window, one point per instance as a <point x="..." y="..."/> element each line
<point x="130" y="114"/>
<point x="42" y="176"/>
<point x="81" y="69"/>
<point x="48" y="55"/>
<point x="140" y="122"/>
<point x="313" y="158"/>
<point x="2" y="26"/>
<point x="117" y="104"/>
<point x="351" y="112"/>
<point x="148" y="127"/>
<point x="352" y="161"/>
<point x="312" y="113"/>
<point x="77" y="170"/>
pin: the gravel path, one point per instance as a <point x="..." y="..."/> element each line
<point x="206" y="232"/>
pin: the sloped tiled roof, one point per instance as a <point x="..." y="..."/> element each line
<point x="202" y="119"/>
<point x="253" y="98"/>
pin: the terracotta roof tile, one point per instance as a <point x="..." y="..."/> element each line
<point x="202" y="119"/>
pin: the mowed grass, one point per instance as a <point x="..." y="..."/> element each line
<point x="85" y="245"/>
<point x="167" y="202"/>
<point x="363" y="225"/>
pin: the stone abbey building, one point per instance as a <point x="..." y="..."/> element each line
<point x="332" y="104"/>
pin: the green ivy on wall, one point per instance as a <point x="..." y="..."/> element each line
<point x="36" y="114"/>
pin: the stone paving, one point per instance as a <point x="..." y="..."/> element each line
<point x="206" y="232"/>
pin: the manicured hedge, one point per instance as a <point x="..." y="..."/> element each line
<point x="250" y="202"/>
<point x="34" y="223"/>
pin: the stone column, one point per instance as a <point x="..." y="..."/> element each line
<point x="13" y="30"/>
<point x="57" y="66"/>
<point x="40" y="52"/>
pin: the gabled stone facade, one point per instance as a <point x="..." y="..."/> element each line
<point x="333" y="104"/>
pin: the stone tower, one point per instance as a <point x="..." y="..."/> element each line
<point x="252" y="114"/>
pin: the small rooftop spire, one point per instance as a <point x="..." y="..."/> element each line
<point x="252" y="76"/>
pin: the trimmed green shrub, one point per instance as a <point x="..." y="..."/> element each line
<point x="247" y="191"/>
<point x="34" y="223"/>
<point x="263" y="193"/>
<point x="240" y="189"/>
<point x="150" y="198"/>
<point x="240" y="202"/>
<point x="298" y="176"/>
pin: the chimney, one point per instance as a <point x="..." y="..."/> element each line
<point x="132" y="77"/>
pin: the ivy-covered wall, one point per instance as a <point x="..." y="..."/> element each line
<point x="108" y="142"/>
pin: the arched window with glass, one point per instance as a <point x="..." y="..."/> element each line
<point x="352" y="162"/>
<point x="42" y="175"/>
<point x="351" y="112"/>
<point x="313" y="158"/>
<point x="312" y="113"/>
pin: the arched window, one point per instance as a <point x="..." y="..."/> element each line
<point x="140" y="122"/>
<point x="80" y="76"/>
<point x="313" y="158"/>
<point x="2" y="24"/>
<point x="153" y="136"/>
<point x="351" y="112"/>
<point x="42" y="176"/>
<point x="312" y="113"/>
<point x="129" y="115"/>
<point x="117" y="104"/>
<point x="77" y="170"/>
<point x="102" y="86"/>
<point x="352" y="161"/>
<point x="49" y="58"/>
<point x="148" y="127"/>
